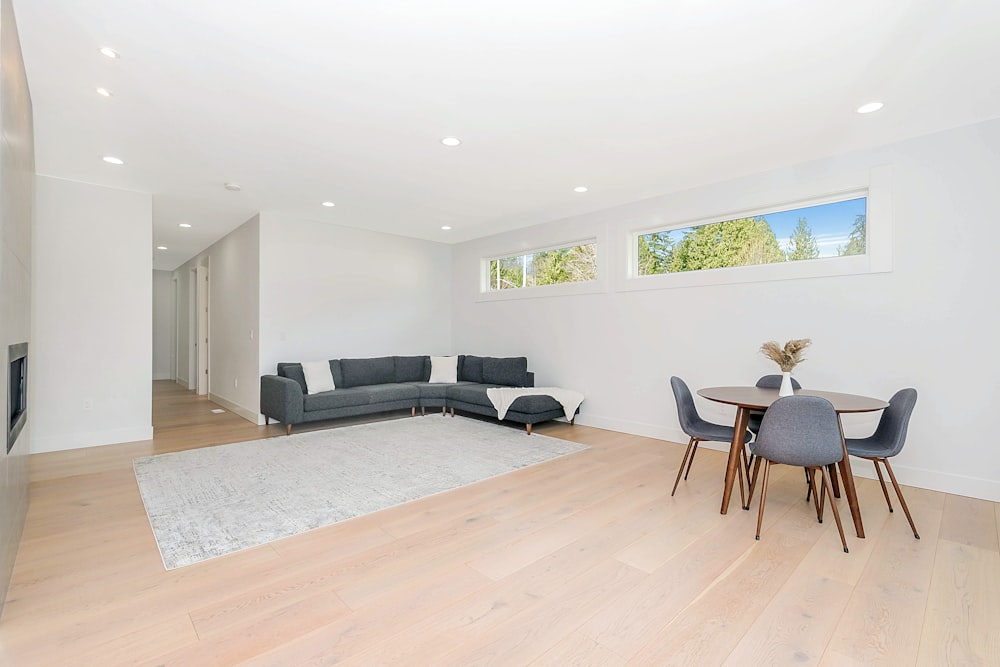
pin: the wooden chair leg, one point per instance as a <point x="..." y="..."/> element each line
<point x="899" y="494"/>
<point x="881" y="479"/>
<point x="811" y="478"/>
<point x="827" y="488"/>
<point x="739" y="473"/>
<point x="763" y="495"/>
<point x="691" y="460"/>
<point x="753" y="481"/>
<point x="687" y="451"/>
<point x="809" y="485"/>
<point x="834" y="479"/>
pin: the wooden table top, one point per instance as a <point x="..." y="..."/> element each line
<point x="760" y="399"/>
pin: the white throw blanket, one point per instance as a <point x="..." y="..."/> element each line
<point x="502" y="397"/>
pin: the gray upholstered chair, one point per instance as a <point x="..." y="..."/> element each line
<point x="800" y="431"/>
<point x="887" y="441"/>
<point x="699" y="430"/>
<point x="767" y="382"/>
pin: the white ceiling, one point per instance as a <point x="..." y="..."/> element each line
<point x="302" y="101"/>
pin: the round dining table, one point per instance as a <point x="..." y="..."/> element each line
<point x="747" y="399"/>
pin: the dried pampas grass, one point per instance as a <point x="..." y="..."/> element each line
<point x="786" y="357"/>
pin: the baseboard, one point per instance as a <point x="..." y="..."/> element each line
<point x="162" y="376"/>
<point x="250" y="415"/>
<point x="934" y="480"/>
<point x="184" y="383"/>
<point x="78" y="440"/>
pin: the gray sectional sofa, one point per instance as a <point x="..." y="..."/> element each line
<point x="368" y="386"/>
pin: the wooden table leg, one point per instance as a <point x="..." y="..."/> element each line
<point x="849" y="490"/>
<point x="742" y="417"/>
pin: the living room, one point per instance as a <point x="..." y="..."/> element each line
<point x="291" y="286"/>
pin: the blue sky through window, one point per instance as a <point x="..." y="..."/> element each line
<point x="830" y="223"/>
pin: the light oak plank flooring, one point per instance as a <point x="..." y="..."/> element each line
<point x="585" y="560"/>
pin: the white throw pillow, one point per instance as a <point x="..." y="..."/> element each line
<point x="318" y="376"/>
<point x="444" y="370"/>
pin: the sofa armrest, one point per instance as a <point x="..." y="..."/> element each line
<point x="281" y="399"/>
<point x="530" y="380"/>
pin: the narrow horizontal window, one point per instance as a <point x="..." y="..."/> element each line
<point x="557" y="266"/>
<point x="825" y="230"/>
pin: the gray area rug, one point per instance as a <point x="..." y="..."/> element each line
<point x="209" y="502"/>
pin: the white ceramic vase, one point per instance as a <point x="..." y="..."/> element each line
<point x="786" y="384"/>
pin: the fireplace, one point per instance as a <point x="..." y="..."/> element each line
<point x="17" y="396"/>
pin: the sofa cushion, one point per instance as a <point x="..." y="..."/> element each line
<point x="509" y="371"/>
<point x="469" y="393"/>
<point x="386" y="393"/>
<point x="411" y="369"/>
<point x="294" y="372"/>
<point x="472" y="369"/>
<point x="363" y="372"/>
<point x="340" y="398"/>
<point x="428" y="390"/>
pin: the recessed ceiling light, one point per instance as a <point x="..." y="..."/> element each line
<point x="110" y="159"/>
<point x="445" y="227"/>
<point x="161" y="247"/>
<point x="104" y="92"/>
<point x="580" y="188"/>
<point x="328" y="204"/>
<point x="110" y="53"/>
<point x="451" y="141"/>
<point x="232" y="187"/>
<point x="185" y="225"/>
<point x="871" y="106"/>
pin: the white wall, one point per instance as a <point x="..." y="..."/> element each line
<point x="163" y="325"/>
<point x="91" y="316"/>
<point x="234" y="282"/>
<point x="930" y="323"/>
<point x="17" y="178"/>
<point x="330" y="292"/>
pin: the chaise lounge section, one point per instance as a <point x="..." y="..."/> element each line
<point x="382" y="384"/>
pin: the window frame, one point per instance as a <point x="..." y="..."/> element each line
<point x="877" y="257"/>
<point x="599" y="284"/>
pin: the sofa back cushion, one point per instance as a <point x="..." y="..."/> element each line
<point x="293" y="371"/>
<point x="471" y="369"/>
<point x="359" y="372"/>
<point x="412" y="369"/>
<point x="509" y="371"/>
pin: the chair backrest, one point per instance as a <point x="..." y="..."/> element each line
<point x="891" y="430"/>
<point x="687" y="413"/>
<point x="774" y="382"/>
<point x="800" y="430"/>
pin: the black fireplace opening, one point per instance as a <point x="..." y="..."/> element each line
<point x="17" y="395"/>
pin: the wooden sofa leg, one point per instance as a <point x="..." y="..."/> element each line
<point x="443" y="410"/>
<point x="528" y="426"/>
<point x="453" y="412"/>
<point x="267" y="420"/>
<point x="413" y="411"/>
<point x="288" y="429"/>
<point x="423" y="410"/>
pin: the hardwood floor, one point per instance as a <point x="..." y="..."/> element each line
<point x="585" y="560"/>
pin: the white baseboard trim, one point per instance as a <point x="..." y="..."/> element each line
<point x="162" y="376"/>
<point x="960" y="485"/>
<point x="77" y="440"/>
<point x="249" y="415"/>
